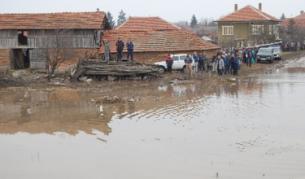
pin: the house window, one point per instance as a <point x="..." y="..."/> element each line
<point x="258" y="29"/>
<point x="276" y="30"/>
<point x="270" y="29"/>
<point x="228" y="30"/>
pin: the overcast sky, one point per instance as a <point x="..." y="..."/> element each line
<point x="171" y="10"/>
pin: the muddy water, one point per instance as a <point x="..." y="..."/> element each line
<point x="253" y="128"/>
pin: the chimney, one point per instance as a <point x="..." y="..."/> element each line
<point x="260" y="6"/>
<point x="236" y="7"/>
<point x="302" y="12"/>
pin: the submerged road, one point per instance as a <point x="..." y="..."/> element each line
<point x="247" y="130"/>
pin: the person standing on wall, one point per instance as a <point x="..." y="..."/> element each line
<point x="106" y="51"/>
<point x="119" y="47"/>
<point x="130" y="48"/>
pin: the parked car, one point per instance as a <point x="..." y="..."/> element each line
<point x="178" y="62"/>
<point x="269" y="54"/>
<point x="277" y="52"/>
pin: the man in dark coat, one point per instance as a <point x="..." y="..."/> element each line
<point x="234" y="64"/>
<point x="119" y="47"/>
<point x="130" y="48"/>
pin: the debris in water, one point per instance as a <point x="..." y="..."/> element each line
<point x="103" y="140"/>
<point x="111" y="100"/>
<point x="131" y="100"/>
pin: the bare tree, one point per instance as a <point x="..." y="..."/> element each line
<point x="292" y="32"/>
<point x="58" y="52"/>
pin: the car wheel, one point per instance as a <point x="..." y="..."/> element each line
<point x="184" y="69"/>
<point x="162" y="69"/>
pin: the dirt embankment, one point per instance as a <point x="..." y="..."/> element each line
<point x="29" y="78"/>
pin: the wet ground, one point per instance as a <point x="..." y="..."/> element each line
<point x="252" y="127"/>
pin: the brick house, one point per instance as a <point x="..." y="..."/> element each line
<point x="26" y="38"/>
<point x="153" y="38"/>
<point x="246" y="27"/>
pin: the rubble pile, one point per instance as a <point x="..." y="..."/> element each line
<point x="121" y="70"/>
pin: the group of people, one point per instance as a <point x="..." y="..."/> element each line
<point x="120" y="45"/>
<point x="249" y="56"/>
<point x="293" y="46"/>
<point x="198" y="60"/>
<point x="225" y="63"/>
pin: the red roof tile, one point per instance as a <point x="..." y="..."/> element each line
<point x="248" y="13"/>
<point x="150" y="23"/>
<point x="156" y="35"/>
<point x="79" y="20"/>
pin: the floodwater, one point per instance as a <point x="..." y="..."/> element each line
<point x="254" y="128"/>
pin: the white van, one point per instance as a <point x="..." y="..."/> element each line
<point x="178" y="62"/>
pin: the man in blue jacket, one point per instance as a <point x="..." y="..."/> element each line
<point x="130" y="48"/>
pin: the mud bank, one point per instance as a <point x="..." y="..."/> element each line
<point x="36" y="79"/>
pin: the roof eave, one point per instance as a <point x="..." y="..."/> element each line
<point x="51" y="29"/>
<point x="246" y="21"/>
<point x="180" y="50"/>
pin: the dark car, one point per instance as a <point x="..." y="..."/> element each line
<point x="269" y="54"/>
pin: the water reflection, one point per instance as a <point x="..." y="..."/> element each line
<point x="72" y="110"/>
<point x="252" y="127"/>
<point x="49" y="111"/>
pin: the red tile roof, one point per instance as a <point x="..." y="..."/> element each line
<point x="246" y="14"/>
<point x="79" y="20"/>
<point x="152" y="34"/>
<point x="151" y="23"/>
<point x="298" y="20"/>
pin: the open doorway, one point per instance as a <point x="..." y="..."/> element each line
<point x="20" y="58"/>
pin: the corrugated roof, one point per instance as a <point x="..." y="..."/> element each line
<point x="152" y="34"/>
<point x="248" y="13"/>
<point x="66" y="20"/>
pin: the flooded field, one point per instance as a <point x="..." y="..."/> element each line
<point x="248" y="129"/>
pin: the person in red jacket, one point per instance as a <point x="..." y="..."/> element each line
<point x="169" y="62"/>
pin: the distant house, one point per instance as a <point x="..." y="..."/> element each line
<point x="298" y="21"/>
<point x="248" y="26"/>
<point x="153" y="38"/>
<point x="25" y="38"/>
<point x="293" y="32"/>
